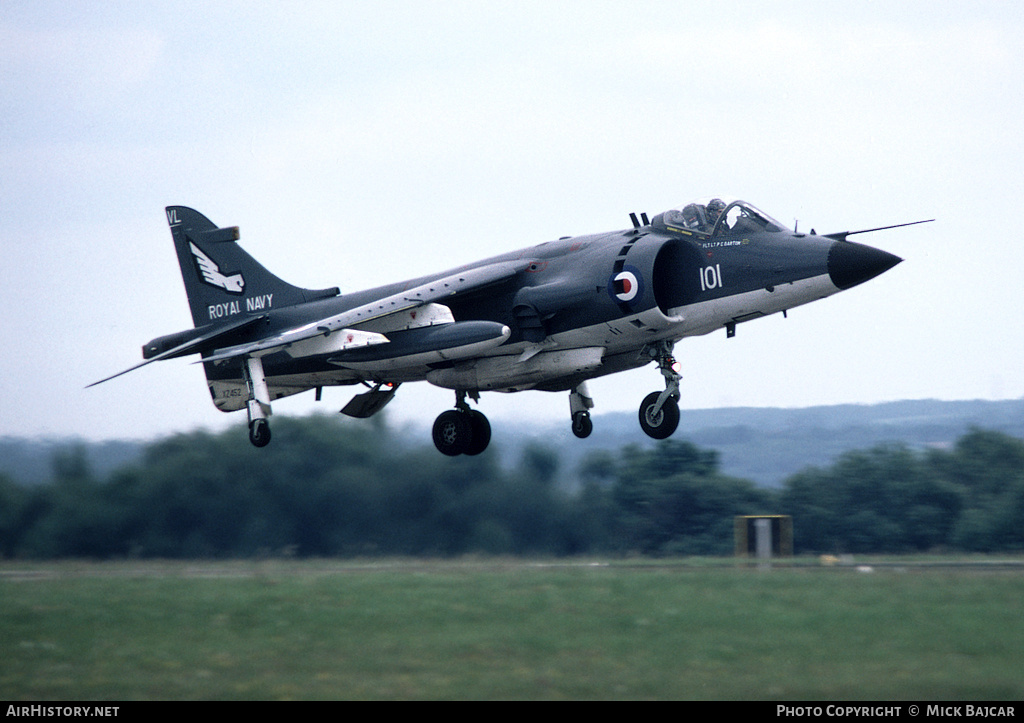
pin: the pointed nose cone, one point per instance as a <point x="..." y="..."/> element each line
<point x="850" y="263"/>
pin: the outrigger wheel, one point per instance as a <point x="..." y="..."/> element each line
<point x="580" y="402"/>
<point x="582" y="425"/>
<point x="259" y="432"/>
<point x="258" y="404"/>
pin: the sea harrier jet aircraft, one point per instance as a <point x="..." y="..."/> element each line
<point x="548" y="317"/>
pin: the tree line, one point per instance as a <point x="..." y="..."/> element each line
<point x="327" y="488"/>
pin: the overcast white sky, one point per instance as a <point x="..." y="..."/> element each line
<point x="357" y="143"/>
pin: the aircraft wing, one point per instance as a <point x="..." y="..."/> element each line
<point x="430" y="292"/>
<point x="203" y="341"/>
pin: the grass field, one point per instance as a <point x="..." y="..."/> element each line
<point x="509" y="630"/>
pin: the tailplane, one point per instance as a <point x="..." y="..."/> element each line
<point x="222" y="281"/>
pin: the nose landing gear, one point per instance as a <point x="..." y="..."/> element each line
<point x="659" y="423"/>
<point x="659" y="412"/>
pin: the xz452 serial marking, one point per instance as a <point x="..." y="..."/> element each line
<point x="710" y="277"/>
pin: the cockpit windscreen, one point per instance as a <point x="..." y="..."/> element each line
<point x="719" y="217"/>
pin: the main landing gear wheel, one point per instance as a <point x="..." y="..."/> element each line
<point x="582" y="425"/>
<point x="461" y="431"/>
<point x="481" y="433"/>
<point x="452" y="432"/>
<point x="659" y="424"/>
<point x="259" y="432"/>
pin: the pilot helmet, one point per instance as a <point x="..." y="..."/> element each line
<point x="715" y="208"/>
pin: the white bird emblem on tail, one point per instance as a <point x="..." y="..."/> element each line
<point x="212" y="275"/>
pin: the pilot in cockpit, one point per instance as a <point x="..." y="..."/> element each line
<point x="699" y="216"/>
<point x="692" y="216"/>
<point x="714" y="211"/>
<point x="689" y="217"/>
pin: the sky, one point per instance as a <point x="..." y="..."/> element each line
<point x="360" y="143"/>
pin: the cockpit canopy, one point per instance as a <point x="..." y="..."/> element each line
<point x="717" y="216"/>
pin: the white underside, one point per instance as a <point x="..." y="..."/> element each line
<point x="530" y="364"/>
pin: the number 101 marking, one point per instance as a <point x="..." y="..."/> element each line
<point x="710" y="277"/>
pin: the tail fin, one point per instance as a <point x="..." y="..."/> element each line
<point x="221" y="279"/>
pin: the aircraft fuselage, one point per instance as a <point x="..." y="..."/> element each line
<point x="548" y="317"/>
<point x="615" y="291"/>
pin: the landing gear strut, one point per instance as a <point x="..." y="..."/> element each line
<point x="259" y="402"/>
<point x="461" y="430"/>
<point x="659" y="412"/>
